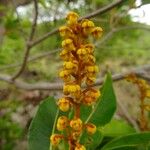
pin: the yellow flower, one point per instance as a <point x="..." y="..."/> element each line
<point x="76" y="124"/>
<point x="64" y="104"/>
<point x="80" y="147"/>
<point x="147" y="107"/>
<point x="65" y="32"/>
<point x="92" y="69"/>
<point x="72" y="18"/>
<point x="65" y="55"/>
<point x="76" y="134"/>
<point x="70" y="65"/>
<point x="62" y="123"/>
<point x="71" y="89"/>
<point x="90" y="80"/>
<point x="91" y="59"/>
<point x="55" y="139"/>
<point x="87" y="26"/>
<point x="148" y="93"/>
<point x="97" y="32"/>
<point x="90" y="128"/>
<point x="82" y="51"/>
<point x="88" y="100"/>
<point x="90" y="48"/>
<point x="68" y="45"/>
<point x="65" y="75"/>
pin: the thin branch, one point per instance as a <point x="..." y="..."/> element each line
<point x="127" y="116"/>
<point x="90" y="15"/>
<point x="31" y="59"/>
<point x="59" y="86"/>
<point x="28" y="47"/>
<point x="113" y="31"/>
<point x="103" y="10"/>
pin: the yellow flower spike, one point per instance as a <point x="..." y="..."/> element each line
<point x="64" y="104"/>
<point x="97" y="32"/>
<point x="90" y="128"/>
<point x="79" y="66"/>
<point x="72" y="18"/>
<point x="62" y="123"/>
<point x="76" y="124"/>
<point x="87" y="26"/>
<point x="65" y="31"/>
<point x="55" y="139"/>
<point x="68" y="45"/>
<point x="80" y="147"/>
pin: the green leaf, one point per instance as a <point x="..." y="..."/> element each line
<point x="123" y="128"/>
<point x="128" y="140"/>
<point x="41" y="126"/>
<point x="106" y="106"/>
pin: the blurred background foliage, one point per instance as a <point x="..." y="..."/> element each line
<point x="119" y="49"/>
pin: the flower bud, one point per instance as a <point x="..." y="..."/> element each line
<point x="80" y="147"/>
<point x="76" y="124"/>
<point x="55" y="139"/>
<point x="64" y="104"/>
<point x="62" y="123"/>
<point x="68" y="44"/>
<point x="90" y="128"/>
<point x="97" y="32"/>
<point x="72" y="18"/>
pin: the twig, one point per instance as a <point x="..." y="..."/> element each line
<point x="111" y="33"/>
<point x="127" y="116"/>
<point x="34" y="58"/>
<point x="28" y="46"/>
<point x="59" y="86"/>
<point x="93" y="14"/>
<point x="103" y="10"/>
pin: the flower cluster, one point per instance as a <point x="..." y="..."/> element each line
<point x="78" y="68"/>
<point x="144" y="89"/>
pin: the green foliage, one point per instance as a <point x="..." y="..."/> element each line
<point x="123" y="128"/>
<point x="10" y="131"/>
<point x="106" y="106"/>
<point x="129" y="140"/>
<point x="41" y="126"/>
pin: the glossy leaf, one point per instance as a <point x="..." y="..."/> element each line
<point x="106" y="106"/>
<point x="41" y="126"/>
<point x="128" y="141"/>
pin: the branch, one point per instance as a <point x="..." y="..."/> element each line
<point x="93" y="14"/>
<point x="127" y="116"/>
<point x="28" y="46"/>
<point x="59" y="86"/>
<point x="31" y="59"/>
<point x="113" y="31"/>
